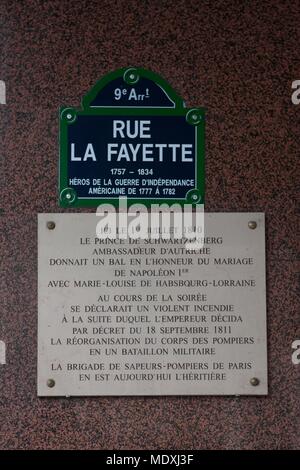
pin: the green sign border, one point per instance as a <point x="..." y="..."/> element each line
<point x="194" y="116"/>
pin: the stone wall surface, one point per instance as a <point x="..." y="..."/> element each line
<point x="238" y="60"/>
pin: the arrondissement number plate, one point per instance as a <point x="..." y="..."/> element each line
<point x="148" y="317"/>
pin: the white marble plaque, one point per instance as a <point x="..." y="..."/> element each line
<point x="143" y="317"/>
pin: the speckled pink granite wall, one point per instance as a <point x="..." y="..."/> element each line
<point x="237" y="59"/>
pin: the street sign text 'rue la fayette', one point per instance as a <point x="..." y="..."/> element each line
<point x="134" y="138"/>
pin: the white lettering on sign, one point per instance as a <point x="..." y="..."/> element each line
<point x="133" y="95"/>
<point x="138" y="129"/>
<point x="149" y="152"/>
<point x="129" y="152"/>
<point x="144" y="152"/>
<point x="89" y="153"/>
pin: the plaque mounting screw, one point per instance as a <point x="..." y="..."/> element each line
<point x="50" y="383"/>
<point x="193" y="196"/>
<point x="69" y="115"/>
<point x="194" y="117"/>
<point x="50" y="225"/>
<point x="68" y="196"/>
<point x="254" y="381"/>
<point x="252" y="224"/>
<point x="131" y="76"/>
